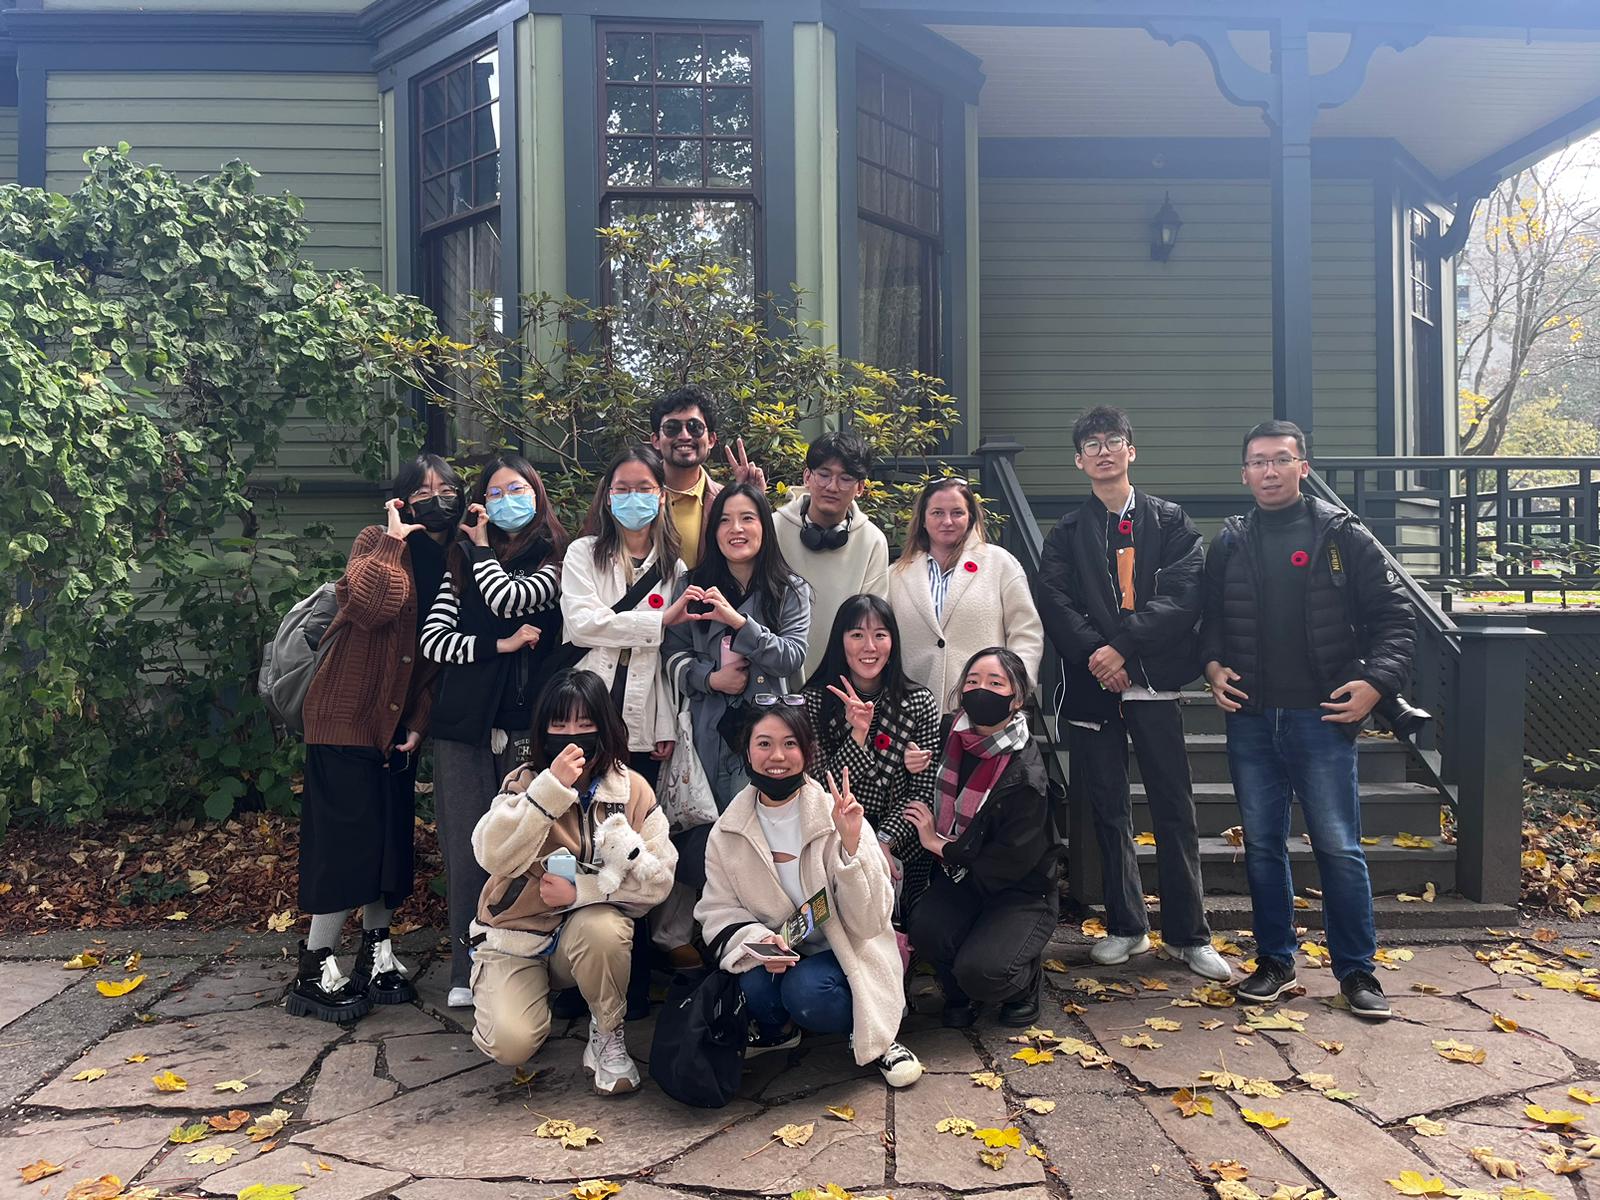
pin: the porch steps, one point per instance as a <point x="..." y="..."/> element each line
<point x="1386" y="809"/>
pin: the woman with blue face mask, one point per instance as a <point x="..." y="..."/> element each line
<point x="493" y="627"/>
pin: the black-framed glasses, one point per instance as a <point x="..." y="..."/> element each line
<point x="672" y="427"/>
<point x="1283" y="462"/>
<point x="1112" y="444"/>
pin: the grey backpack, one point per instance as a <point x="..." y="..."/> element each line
<point x="289" y="661"/>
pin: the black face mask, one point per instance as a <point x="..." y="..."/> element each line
<point x="555" y="743"/>
<point x="777" y="787"/>
<point x="436" y="514"/>
<point x="984" y="707"/>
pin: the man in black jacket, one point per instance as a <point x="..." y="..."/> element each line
<point x="1306" y="629"/>
<point x="1119" y="595"/>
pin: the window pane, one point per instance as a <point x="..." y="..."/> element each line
<point x="925" y="162"/>
<point x="694" y="230"/>
<point x="463" y="289"/>
<point x="897" y="200"/>
<point x="627" y="110"/>
<point x="869" y="138"/>
<point x="486" y="129"/>
<point x="458" y="92"/>
<point x="925" y="116"/>
<point x="897" y="147"/>
<point x="897" y="99"/>
<point x="869" y="86"/>
<point x="678" y="162"/>
<point x="485" y="75"/>
<point x="628" y="162"/>
<point x="435" y="201"/>
<point x="461" y="189"/>
<point x="433" y="103"/>
<point x="869" y="189"/>
<point x="896" y="299"/>
<point x="927" y="216"/>
<point x="628" y="56"/>
<point x="678" y="57"/>
<point x="459" y="144"/>
<point x="486" y="186"/>
<point x="732" y="164"/>
<point x="728" y="59"/>
<point x="728" y="110"/>
<point x="433" y="153"/>
<point x="678" y="110"/>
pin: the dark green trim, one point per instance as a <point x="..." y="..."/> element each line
<point x="956" y="290"/>
<point x="143" y="41"/>
<point x="31" y="103"/>
<point x="777" y="267"/>
<point x="510" y="175"/>
<point x="8" y="82"/>
<point x="578" y="91"/>
<point x="448" y="31"/>
<point x="848" y="335"/>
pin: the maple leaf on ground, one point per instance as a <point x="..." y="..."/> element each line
<point x="121" y="988"/>
<point x="1229" y="1189"/>
<point x="1504" y="1024"/>
<point x="1094" y="927"/>
<point x="270" y="1191"/>
<point x="987" y="1079"/>
<point x="1319" y="1082"/>
<point x="281" y="922"/>
<point x="1035" y="1105"/>
<point x="1056" y="965"/>
<point x="184" y="1134"/>
<point x="1410" y="841"/>
<point x="1139" y="1041"/>
<point x="1163" y="1024"/>
<point x="1414" y="1183"/>
<point x="1524" y="1193"/>
<point x="227" y="1124"/>
<point x="1427" y="1126"/>
<point x="1258" y="1020"/>
<point x="1264" y="1088"/>
<point x="178" y="916"/>
<point x="554" y="1127"/>
<point x="1583" y="1097"/>
<point x="1561" y="1162"/>
<point x="994" y="1159"/>
<point x="1552" y="1116"/>
<point x="1225" y="1081"/>
<point x="1035" y="1152"/>
<point x="580" y="1137"/>
<point x="1228" y="1168"/>
<point x="1451" y="1050"/>
<point x="269" y="1125"/>
<point x="1144" y="839"/>
<point x="1494" y="1164"/>
<point x="39" y="1169"/>
<point x="1190" y="1105"/>
<point x="216" y="1154"/>
<point x="1212" y="1023"/>
<point x="843" y="1111"/>
<point x="1263" y="1118"/>
<point x="107" y="1187"/>
<point x="84" y="960"/>
<point x="1332" y="1047"/>
<point x="167" y="1081"/>
<point x="996" y="1139"/>
<point x="1034" y="1057"/>
<point x="1213" y="996"/>
<point x="959" y="1126"/>
<point x="89" y="1075"/>
<point x="137" y="1058"/>
<point x="1152" y="985"/>
<point x="795" y="1135"/>
<point x="594" y="1189"/>
<point x="229" y="1085"/>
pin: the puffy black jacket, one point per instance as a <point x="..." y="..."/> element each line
<point x="1078" y="604"/>
<point x="1358" y="623"/>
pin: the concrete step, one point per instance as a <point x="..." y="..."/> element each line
<point x="1392" y="869"/>
<point x="1386" y="808"/>
<point x="1200" y="713"/>
<point x="1381" y="760"/>
<point x="1229" y="913"/>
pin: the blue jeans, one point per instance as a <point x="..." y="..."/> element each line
<point x="1274" y="756"/>
<point x="813" y="993"/>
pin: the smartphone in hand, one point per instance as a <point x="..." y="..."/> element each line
<point x="770" y="952"/>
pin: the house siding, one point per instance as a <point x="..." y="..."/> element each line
<point x="317" y="136"/>
<point x="1074" y="313"/>
<point x="8" y="145"/>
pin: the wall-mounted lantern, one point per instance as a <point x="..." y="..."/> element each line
<point x="1164" y="228"/>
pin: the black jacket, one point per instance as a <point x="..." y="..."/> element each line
<point x="1358" y="623"/>
<point x="498" y="691"/>
<point x="1078" y="604"/>
<point x="1010" y="844"/>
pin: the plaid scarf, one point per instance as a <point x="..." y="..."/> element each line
<point x="956" y="806"/>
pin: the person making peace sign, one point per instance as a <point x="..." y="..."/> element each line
<point x="780" y="842"/>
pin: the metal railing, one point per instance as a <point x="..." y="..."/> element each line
<point x="1459" y="523"/>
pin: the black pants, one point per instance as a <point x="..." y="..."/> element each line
<point x="987" y="947"/>
<point x="1100" y="759"/>
<point x="357" y="815"/>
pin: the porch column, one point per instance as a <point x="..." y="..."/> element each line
<point x="1291" y="223"/>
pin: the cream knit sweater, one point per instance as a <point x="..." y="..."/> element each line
<point x="860" y="565"/>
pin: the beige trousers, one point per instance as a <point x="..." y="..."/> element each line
<point x="512" y="994"/>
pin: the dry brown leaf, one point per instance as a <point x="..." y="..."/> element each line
<point x="1190" y="1105"/>
<point x="228" y="1123"/>
<point x="993" y="1159"/>
<point x="1152" y="985"/>
<point x="107" y="1187"/>
<point x="986" y="1079"/>
<point x="269" y="1125"/>
<point x="1452" y="1050"/>
<point x="1498" y="1167"/>
<point x="1504" y="1024"/>
<point x="795" y="1135"/>
<point x="1035" y="1105"/>
<point x="281" y="922"/>
<point x="1561" y="1162"/>
<point x="1163" y="1024"/>
<point x="1094" y="927"/>
<point x="39" y="1169"/>
<point x="1427" y="1126"/>
<point x="1332" y="1047"/>
<point x="843" y="1111"/>
<point x="1139" y="1041"/>
<point x="1234" y="835"/>
<point x="1212" y="1023"/>
<point x="1228" y="1168"/>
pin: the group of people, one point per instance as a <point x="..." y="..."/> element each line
<point x="860" y="733"/>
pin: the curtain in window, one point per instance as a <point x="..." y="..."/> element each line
<point x="894" y="297"/>
<point x="466" y="291"/>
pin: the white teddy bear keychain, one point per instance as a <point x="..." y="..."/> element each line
<point x="619" y="850"/>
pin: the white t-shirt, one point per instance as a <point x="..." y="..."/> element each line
<point x="780" y="825"/>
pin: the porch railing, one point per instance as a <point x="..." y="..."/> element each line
<point x="1525" y="524"/>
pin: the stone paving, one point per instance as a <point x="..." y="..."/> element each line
<point x="403" y="1105"/>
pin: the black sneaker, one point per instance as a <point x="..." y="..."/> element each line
<point x="320" y="991"/>
<point x="1273" y="977"/>
<point x="762" y="1042"/>
<point x="1365" y="996"/>
<point x="959" y="1011"/>
<point x="378" y="973"/>
<point x="1022" y="1009"/>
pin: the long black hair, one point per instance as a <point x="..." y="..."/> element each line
<point x="414" y="474"/>
<point x="545" y="528"/>
<point x="853" y="614"/>
<point x="572" y="694"/>
<point x="770" y="573"/>
<point x="608" y="534"/>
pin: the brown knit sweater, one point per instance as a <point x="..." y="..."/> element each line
<point x="367" y="685"/>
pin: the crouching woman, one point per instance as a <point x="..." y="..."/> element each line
<point x="576" y="849"/>
<point x="782" y="841"/>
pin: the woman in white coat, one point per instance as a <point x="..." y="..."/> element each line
<point x="954" y="593"/>
<point x="781" y="844"/>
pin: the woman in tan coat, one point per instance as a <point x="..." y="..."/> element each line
<point x="801" y="880"/>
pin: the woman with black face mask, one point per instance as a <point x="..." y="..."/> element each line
<point x="796" y="878"/>
<point x="985" y="919"/>
<point x="576" y="850"/>
<point x="366" y="712"/>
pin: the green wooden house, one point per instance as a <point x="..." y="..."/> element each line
<point x="1208" y="212"/>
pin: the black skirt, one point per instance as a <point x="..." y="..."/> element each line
<point x="357" y="817"/>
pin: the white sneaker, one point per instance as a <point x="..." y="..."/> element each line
<point x="607" y="1056"/>
<point x="1203" y="960"/>
<point x="459" y="997"/>
<point x="899" y="1067"/>
<point x="1111" y="950"/>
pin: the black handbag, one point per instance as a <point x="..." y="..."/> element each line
<point x="697" y="1054"/>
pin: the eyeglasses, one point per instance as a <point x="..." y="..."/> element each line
<point x="771" y="700"/>
<point x="1283" y="462"/>
<point x="673" y="427"/>
<point x="1097" y="445"/>
<point x="423" y="493"/>
<point x="516" y="489"/>
<point x="835" y="480"/>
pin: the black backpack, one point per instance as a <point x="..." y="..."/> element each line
<point x="697" y="1054"/>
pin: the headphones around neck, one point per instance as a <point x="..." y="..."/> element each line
<point x="818" y="537"/>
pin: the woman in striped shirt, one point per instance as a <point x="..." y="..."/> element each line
<point x="493" y="629"/>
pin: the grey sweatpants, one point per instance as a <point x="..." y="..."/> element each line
<point x="465" y="779"/>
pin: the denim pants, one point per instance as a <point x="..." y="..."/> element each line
<point x="813" y="993"/>
<point x="1276" y="755"/>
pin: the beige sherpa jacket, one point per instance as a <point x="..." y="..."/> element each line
<point x="532" y="818"/>
<point x="742" y="885"/>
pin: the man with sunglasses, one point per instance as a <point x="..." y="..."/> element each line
<point x="827" y="540"/>
<point x="1306" y="629"/>
<point x="683" y="426"/>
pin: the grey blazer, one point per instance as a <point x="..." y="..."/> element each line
<point x="694" y="649"/>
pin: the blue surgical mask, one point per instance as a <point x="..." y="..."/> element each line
<point x="511" y="512"/>
<point x="635" y="510"/>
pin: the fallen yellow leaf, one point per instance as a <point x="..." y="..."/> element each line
<point x="1228" y="1168"/>
<point x="594" y="1189"/>
<point x="1561" y="1162"/>
<point x="1035" y="1152"/>
<point x="182" y="1135"/>
<point x="269" y="1125"/>
<point x="181" y="916"/>
<point x="1151" y="985"/>
<point x="84" y="960"/>
<point x="1055" y="964"/>
<point x="217" y="1154"/>
<point x="1144" y="839"/>
<point x="993" y="1159"/>
<point x="795" y="1135"/>
<point x="1412" y="1183"/>
<point x="1139" y="1041"/>
<point x="168" y="1082"/>
<point x="1257" y="1020"/>
<point x="1190" y="1105"/>
<point x="1552" y="1116"/>
<point x="90" y="1075"/>
<point x="106" y="988"/>
<point x="1427" y="1126"/>
<point x="229" y="1085"/>
<point x="1498" y="1167"/>
<point x="986" y="1079"/>
<point x="137" y="1058"/>
<point x="1410" y="841"/>
<point x="1094" y="927"/>
<point x="1263" y="1118"/>
<point x="1034" y="1057"/>
<point x="580" y="1137"/>
<point x="1504" y="1024"/>
<point x="959" y="1126"/>
<point x="1035" y="1105"/>
<point x="39" y="1169"/>
<point x="281" y="922"/>
<point x="107" y="1187"/>
<point x="997" y="1139"/>
<point x="1451" y="1050"/>
<point x="1583" y="1097"/>
<point x="1332" y="1047"/>
<point x="1163" y="1024"/>
<point x="843" y="1111"/>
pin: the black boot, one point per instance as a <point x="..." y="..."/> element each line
<point x="959" y="1011"/>
<point x="377" y="972"/>
<point x="320" y="991"/>
<point x="1023" y="1008"/>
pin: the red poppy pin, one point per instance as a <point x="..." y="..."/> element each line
<point x="970" y="567"/>
<point x="883" y="741"/>
<point x="655" y="600"/>
<point x="1300" y="558"/>
<point x="1125" y="527"/>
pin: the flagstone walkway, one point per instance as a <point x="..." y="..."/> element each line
<point x="1302" y="1096"/>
